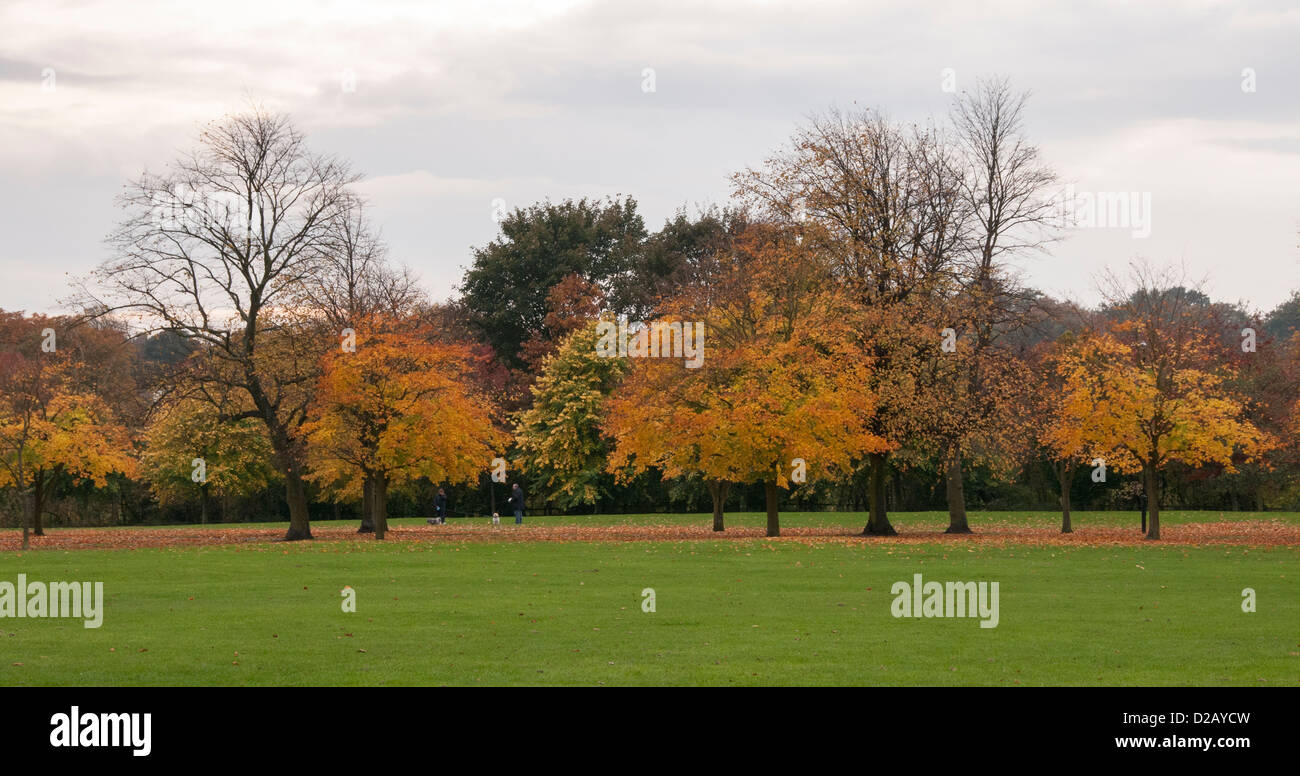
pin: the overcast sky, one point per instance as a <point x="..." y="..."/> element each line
<point x="455" y="105"/>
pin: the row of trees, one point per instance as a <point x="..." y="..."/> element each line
<point x="861" y="312"/>
<point x="863" y="315"/>
<point x="792" y="394"/>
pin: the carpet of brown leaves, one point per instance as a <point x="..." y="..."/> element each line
<point x="1247" y="533"/>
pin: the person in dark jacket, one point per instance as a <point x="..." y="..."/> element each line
<point x="440" y="505"/>
<point x="517" y="502"/>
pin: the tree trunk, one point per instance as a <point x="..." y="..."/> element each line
<point x="38" y="494"/>
<point x="203" y="504"/>
<point x="1065" y="476"/>
<point x="367" y="504"/>
<point x="956" y="495"/>
<point x="379" y="500"/>
<point x="718" y="490"/>
<point x="296" y="494"/>
<point x="877" y="521"/>
<point x="773" y="518"/>
<point x="1153" y="500"/>
<point x="29" y="506"/>
<point x="288" y="458"/>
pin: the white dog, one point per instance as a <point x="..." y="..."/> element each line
<point x="496" y="519"/>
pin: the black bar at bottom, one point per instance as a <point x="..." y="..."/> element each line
<point x="335" y="726"/>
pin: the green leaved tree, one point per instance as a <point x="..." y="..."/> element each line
<point x="562" y="449"/>
<point x="191" y="454"/>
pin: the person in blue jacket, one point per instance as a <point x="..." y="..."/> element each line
<point x="517" y="502"/>
<point x="440" y="505"/>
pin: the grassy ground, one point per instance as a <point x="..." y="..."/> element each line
<point x="728" y="612"/>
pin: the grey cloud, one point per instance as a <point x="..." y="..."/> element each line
<point x="555" y="108"/>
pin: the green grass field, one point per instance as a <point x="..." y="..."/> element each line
<point x="729" y="612"/>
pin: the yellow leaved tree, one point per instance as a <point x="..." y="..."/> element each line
<point x="396" y="409"/>
<point x="1141" y="405"/>
<point x="779" y="396"/>
<point x="192" y="453"/>
<point x="50" y="419"/>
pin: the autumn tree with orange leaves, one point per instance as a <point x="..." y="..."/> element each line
<point x="882" y="202"/>
<point x="959" y="407"/>
<point x="570" y="305"/>
<point x="397" y="409"/>
<point x="1057" y="431"/>
<point x="1153" y="389"/>
<point x="780" y="388"/>
<point x="52" y="419"/>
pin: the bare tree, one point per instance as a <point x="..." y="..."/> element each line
<point x="355" y="280"/>
<point x="215" y="250"/>
<point x="1006" y="192"/>
<point x="1007" y="183"/>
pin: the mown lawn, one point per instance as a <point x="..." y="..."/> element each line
<point x="731" y="612"/>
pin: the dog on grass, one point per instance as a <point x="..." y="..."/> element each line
<point x="496" y="519"/>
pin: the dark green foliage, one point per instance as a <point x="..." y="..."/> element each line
<point x="505" y="289"/>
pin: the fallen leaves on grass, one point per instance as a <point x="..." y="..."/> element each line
<point x="992" y="533"/>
